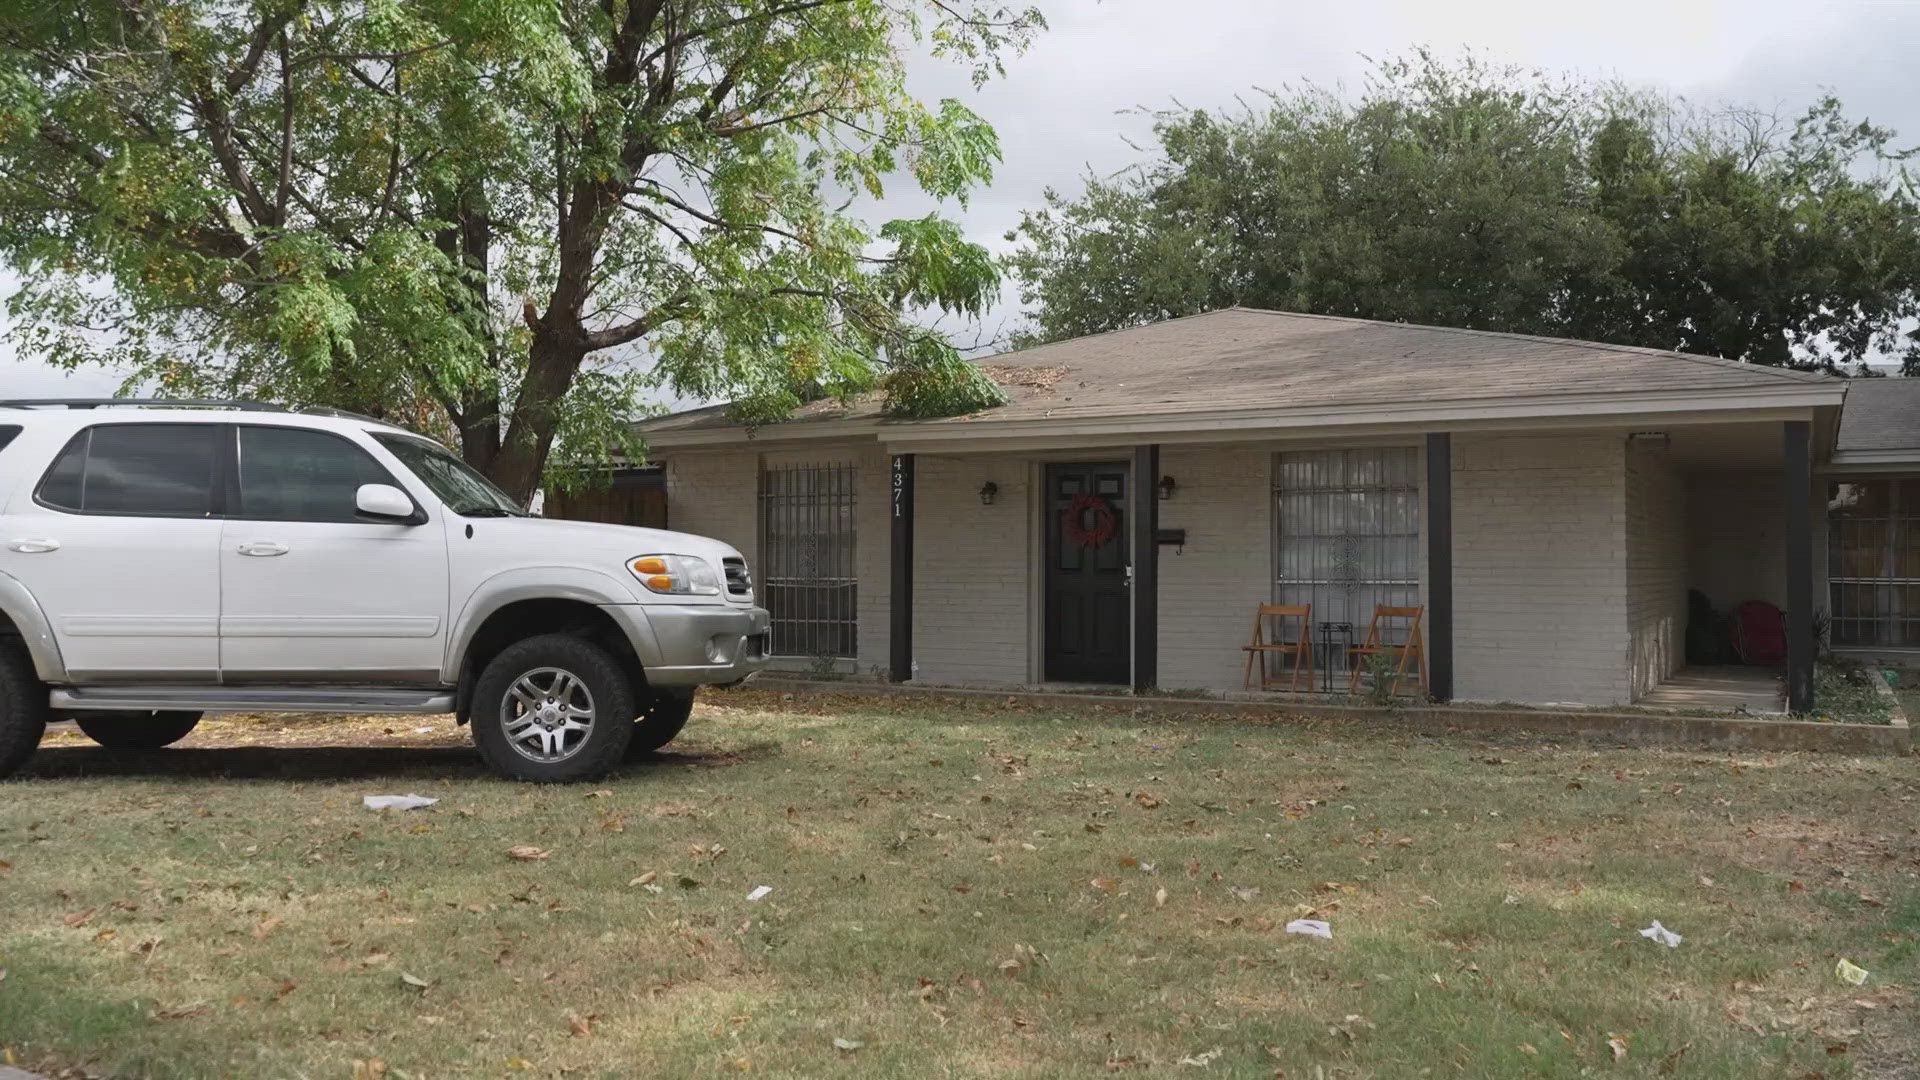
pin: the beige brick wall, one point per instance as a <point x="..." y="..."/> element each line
<point x="714" y="493"/>
<point x="1208" y="590"/>
<point x="1656" y="565"/>
<point x="1539" y="525"/>
<point x="1543" y="561"/>
<point x="973" y="568"/>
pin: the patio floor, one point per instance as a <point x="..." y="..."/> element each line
<point x="1721" y="689"/>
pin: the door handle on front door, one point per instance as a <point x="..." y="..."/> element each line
<point x="32" y="546"/>
<point x="263" y="547"/>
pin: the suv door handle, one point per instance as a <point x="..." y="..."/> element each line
<point x="33" y="546"/>
<point x="263" y="547"/>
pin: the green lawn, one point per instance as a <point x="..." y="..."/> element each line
<point x="958" y="889"/>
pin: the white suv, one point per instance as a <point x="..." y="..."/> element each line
<point x="157" y="562"/>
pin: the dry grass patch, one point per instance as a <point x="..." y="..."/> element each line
<point x="957" y="888"/>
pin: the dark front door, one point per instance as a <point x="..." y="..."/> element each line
<point x="1087" y="621"/>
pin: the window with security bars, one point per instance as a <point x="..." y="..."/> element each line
<point x="1873" y="563"/>
<point x="807" y="547"/>
<point x="1346" y="536"/>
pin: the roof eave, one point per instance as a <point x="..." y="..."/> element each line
<point x="1428" y="414"/>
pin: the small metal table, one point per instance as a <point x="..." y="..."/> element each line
<point x="1331" y="632"/>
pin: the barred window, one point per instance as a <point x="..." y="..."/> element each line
<point x="807" y="547"/>
<point x="1873" y="562"/>
<point x="1347" y="533"/>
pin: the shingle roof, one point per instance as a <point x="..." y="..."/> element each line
<point x="1252" y="359"/>
<point x="1881" y="414"/>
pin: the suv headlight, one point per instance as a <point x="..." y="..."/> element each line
<point x="676" y="575"/>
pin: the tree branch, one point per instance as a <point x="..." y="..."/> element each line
<point x="619" y="335"/>
<point x="676" y="41"/>
<point x="262" y="36"/>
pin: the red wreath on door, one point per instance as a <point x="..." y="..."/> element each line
<point x="1075" y="527"/>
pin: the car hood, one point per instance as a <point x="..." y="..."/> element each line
<point x="609" y="544"/>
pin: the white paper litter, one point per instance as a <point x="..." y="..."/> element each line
<point x="759" y="892"/>
<point x="396" y="802"/>
<point x="1849" y="972"/>
<point x="1311" y="927"/>
<point x="1661" y="934"/>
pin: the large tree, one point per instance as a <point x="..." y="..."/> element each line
<point x="1463" y="194"/>
<point x="497" y="219"/>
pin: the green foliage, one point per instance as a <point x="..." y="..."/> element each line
<point x="499" y="222"/>
<point x="1467" y="195"/>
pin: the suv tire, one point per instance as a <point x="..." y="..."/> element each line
<point x="552" y="709"/>
<point x="666" y="713"/>
<point x="136" y="730"/>
<point x="23" y="710"/>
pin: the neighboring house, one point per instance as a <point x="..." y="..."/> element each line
<point x="1548" y="503"/>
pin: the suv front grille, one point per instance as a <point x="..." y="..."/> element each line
<point x="739" y="582"/>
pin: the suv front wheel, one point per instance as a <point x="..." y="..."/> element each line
<point x="552" y="709"/>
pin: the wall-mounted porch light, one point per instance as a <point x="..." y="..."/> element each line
<point x="987" y="491"/>
<point x="1167" y="487"/>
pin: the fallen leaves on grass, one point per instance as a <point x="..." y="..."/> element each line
<point x="369" y="1069"/>
<point x="528" y="853"/>
<point x="647" y="878"/>
<point x="1160" y="897"/>
<point x="179" y="1012"/>
<point x="266" y="926"/>
<point x="1618" y="1043"/>
<point x="374" y="959"/>
<point x="847" y="1045"/>
<point x="414" y="981"/>
<point x="77" y="919"/>
<point x="1202" y="1060"/>
<point x="580" y="1026"/>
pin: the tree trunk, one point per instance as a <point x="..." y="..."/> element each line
<point x="552" y="361"/>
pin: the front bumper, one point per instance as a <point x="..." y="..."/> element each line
<point x="695" y="645"/>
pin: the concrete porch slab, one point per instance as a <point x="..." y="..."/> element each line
<point x="1723" y="689"/>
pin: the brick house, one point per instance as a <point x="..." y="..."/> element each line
<point x="1548" y="504"/>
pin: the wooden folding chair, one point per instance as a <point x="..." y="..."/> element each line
<point x="1301" y="649"/>
<point x="1376" y="644"/>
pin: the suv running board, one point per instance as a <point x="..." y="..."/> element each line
<point x="324" y="699"/>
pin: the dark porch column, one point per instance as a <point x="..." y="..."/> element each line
<point x="1440" y="565"/>
<point x="900" y="600"/>
<point x="1796" y="474"/>
<point x="1143" y="526"/>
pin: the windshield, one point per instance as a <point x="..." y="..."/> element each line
<point x="464" y="491"/>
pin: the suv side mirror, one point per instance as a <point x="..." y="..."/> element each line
<point x="386" y="503"/>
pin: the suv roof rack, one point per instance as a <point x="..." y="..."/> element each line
<point x="239" y="404"/>
<point x="155" y="403"/>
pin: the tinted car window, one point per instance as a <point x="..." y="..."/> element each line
<point x="7" y="432"/>
<point x="292" y="474"/>
<point x="164" y="470"/>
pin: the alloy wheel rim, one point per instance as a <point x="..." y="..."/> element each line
<point x="547" y="714"/>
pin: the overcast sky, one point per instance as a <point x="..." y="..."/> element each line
<point x="1060" y="110"/>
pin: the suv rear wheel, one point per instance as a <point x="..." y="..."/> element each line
<point x="666" y="713"/>
<point x="552" y="709"/>
<point x="23" y="710"/>
<point x="136" y="730"/>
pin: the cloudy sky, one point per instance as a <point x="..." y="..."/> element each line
<point x="1061" y="110"/>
